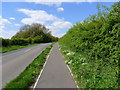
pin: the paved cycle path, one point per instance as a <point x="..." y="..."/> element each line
<point x="55" y="73"/>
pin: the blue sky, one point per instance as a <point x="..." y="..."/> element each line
<point x="57" y="17"/>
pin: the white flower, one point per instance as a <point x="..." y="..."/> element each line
<point x="70" y="53"/>
<point x="65" y="51"/>
<point x="66" y="61"/>
<point x="69" y="62"/>
<point x="84" y="63"/>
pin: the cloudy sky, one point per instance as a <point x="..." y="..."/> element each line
<point x="57" y="16"/>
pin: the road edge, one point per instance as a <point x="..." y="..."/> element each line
<point x="44" y="52"/>
<point x="42" y="70"/>
<point x="69" y="69"/>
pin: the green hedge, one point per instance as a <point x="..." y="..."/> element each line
<point x="22" y="42"/>
<point x="97" y="40"/>
<point x="15" y="41"/>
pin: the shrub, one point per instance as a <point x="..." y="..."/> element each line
<point x="38" y="39"/>
<point x="97" y="40"/>
<point x="19" y="41"/>
<point x="6" y="42"/>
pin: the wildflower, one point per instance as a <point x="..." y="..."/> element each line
<point x="66" y="61"/>
<point x="84" y="63"/>
<point x="81" y="72"/>
<point x="96" y="64"/>
<point x="69" y="62"/>
<point x="70" y="53"/>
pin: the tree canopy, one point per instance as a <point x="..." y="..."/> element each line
<point x="29" y="34"/>
<point x="37" y="32"/>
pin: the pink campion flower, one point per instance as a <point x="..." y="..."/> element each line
<point x="96" y="64"/>
<point x="81" y="72"/>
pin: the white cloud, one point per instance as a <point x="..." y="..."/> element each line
<point x="17" y="24"/>
<point x="47" y="2"/>
<point x="62" y="24"/>
<point x="3" y="33"/>
<point x="52" y="22"/>
<point x="58" y="26"/>
<point x="37" y="16"/>
<point x="3" y="22"/>
<point x="7" y="34"/>
<point x="60" y="35"/>
<point x="12" y="18"/>
<point x="58" y="1"/>
<point x="60" y="9"/>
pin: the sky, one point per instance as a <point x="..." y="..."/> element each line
<point x="58" y="17"/>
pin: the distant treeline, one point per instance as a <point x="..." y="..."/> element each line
<point x="29" y="34"/>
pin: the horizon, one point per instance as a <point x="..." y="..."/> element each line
<point x="56" y="17"/>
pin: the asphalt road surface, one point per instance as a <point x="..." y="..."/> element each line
<point x="55" y="73"/>
<point x="14" y="62"/>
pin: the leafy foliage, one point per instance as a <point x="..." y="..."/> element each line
<point x="95" y="41"/>
<point x="29" y="34"/>
<point x="37" y="32"/>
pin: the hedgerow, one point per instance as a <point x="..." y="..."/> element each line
<point x="95" y="43"/>
<point x="29" y="34"/>
<point x="15" y="41"/>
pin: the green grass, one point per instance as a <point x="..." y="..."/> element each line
<point x="90" y="74"/>
<point x="30" y="74"/>
<point x="15" y="47"/>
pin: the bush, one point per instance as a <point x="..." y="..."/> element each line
<point x="29" y="34"/>
<point x="14" y="41"/>
<point x="6" y="42"/>
<point x="38" y="39"/>
<point x="19" y="41"/>
<point x="97" y="40"/>
<point x="30" y="40"/>
<point x="0" y="42"/>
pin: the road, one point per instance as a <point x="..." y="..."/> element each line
<point x="14" y="62"/>
<point x="55" y="73"/>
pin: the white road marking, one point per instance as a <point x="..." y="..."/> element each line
<point x="8" y="54"/>
<point x="72" y="75"/>
<point x="24" y="51"/>
<point x="27" y="50"/>
<point x="42" y="70"/>
<point x="70" y="71"/>
<point x="15" y="53"/>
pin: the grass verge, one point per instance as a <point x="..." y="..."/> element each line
<point x="89" y="74"/>
<point x="15" y="47"/>
<point x="28" y="77"/>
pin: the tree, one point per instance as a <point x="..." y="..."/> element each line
<point x="36" y="31"/>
